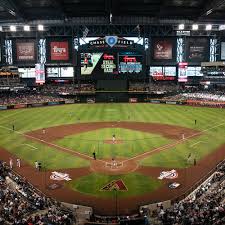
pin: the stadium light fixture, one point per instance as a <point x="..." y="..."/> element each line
<point x="208" y="27"/>
<point x="181" y="27"/>
<point x="222" y="27"/>
<point x="12" y="28"/>
<point x="26" y="28"/>
<point x="40" y="27"/>
<point x="195" y="27"/>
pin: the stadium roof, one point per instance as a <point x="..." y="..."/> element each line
<point x="122" y="11"/>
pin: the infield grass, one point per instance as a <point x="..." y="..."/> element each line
<point x="137" y="184"/>
<point x="133" y="142"/>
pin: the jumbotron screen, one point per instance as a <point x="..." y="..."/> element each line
<point x="111" y="63"/>
<point x="130" y="62"/>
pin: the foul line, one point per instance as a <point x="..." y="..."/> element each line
<point x="197" y="143"/>
<point x="31" y="146"/>
<point x="173" y="144"/>
<point x="52" y="144"/>
<point x="13" y="114"/>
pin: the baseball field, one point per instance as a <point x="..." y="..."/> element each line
<point x="150" y="139"/>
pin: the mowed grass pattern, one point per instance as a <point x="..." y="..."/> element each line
<point x="36" y="118"/>
<point x="133" y="142"/>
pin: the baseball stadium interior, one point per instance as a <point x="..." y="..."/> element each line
<point x="112" y="112"/>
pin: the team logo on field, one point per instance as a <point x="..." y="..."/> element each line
<point x="115" y="185"/>
<point x="172" y="174"/>
<point x="60" y="176"/>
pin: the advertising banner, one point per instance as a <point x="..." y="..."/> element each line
<point x="40" y="73"/>
<point x="24" y="51"/>
<point x="182" y="71"/>
<point x="197" y="50"/>
<point x="162" y="49"/>
<point x="222" y="51"/>
<point x="59" y="51"/>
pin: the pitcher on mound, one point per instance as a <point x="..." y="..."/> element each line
<point x="114" y="139"/>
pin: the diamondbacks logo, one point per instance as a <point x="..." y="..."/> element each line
<point x="111" y="40"/>
<point x="115" y="185"/>
<point x="60" y="176"/>
<point x="172" y="174"/>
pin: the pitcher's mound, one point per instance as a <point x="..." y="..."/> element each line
<point x="111" y="142"/>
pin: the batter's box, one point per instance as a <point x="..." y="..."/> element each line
<point x="114" y="165"/>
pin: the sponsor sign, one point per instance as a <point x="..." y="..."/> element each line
<point x="197" y="49"/>
<point x="108" y="63"/>
<point x="54" y="186"/>
<point x="115" y="185"/>
<point x="173" y="185"/>
<point x="130" y="63"/>
<point x="59" y="50"/>
<point x="40" y="73"/>
<point x="112" y="41"/>
<point x="222" y="52"/>
<point x="163" y="49"/>
<point x="171" y="174"/>
<point x="182" y="71"/>
<point x="133" y="100"/>
<point x="60" y="176"/>
<point x="183" y="33"/>
<point x="25" y="51"/>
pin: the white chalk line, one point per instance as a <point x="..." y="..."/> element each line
<point x="52" y="144"/>
<point x="6" y="117"/>
<point x="175" y="143"/>
<point x="197" y="143"/>
<point x="31" y="146"/>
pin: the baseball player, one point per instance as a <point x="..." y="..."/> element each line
<point x="11" y="163"/>
<point x="18" y="163"/>
<point x="114" y="138"/>
<point x="36" y="165"/>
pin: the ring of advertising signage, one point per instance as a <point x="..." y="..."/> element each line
<point x="24" y="51"/>
<point x="59" y="50"/>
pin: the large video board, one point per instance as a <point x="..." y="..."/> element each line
<point x="111" y="63"/>
<point x="163" y="73"/>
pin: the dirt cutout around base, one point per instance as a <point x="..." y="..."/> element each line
<point x="111" y="142"/>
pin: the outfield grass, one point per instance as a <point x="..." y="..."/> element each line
<point x="134" y="142"/>
<point x="137" y="184"/>
<point x="36" y="118"/>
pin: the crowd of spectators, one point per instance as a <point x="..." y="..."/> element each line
<point x="215" y="96"/>
<point x="9" y="81"/>
<point x="20" y="203"/>
<point x="14" y="98"/>
<point x="67" y="89"/>
<point x="204" y="207"/>
<point x="161" y="88"/>
<point x="137" y="87"/>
